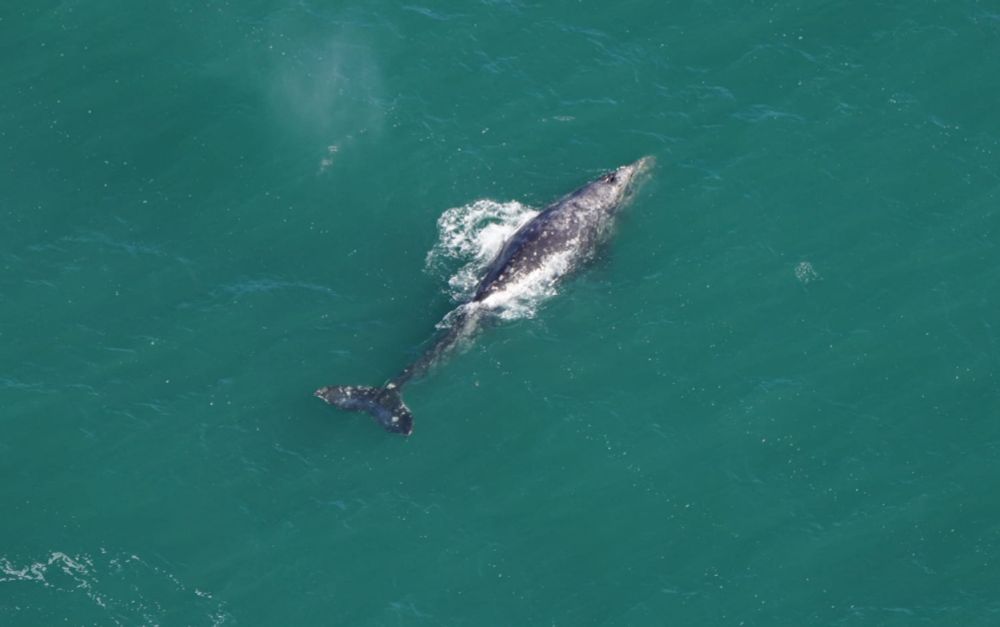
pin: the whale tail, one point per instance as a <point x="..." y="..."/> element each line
<point x="384" y="404"/>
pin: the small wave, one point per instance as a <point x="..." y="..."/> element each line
<point x="152" y="592"/>
<point x="255" y="286"/>
<point x="434" y="15"/>
<point x="106" y="241"/>
<point x="763" y="113"/>
<point x="16" y="384"/>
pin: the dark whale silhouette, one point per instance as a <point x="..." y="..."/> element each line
<point x="546" y="248"/>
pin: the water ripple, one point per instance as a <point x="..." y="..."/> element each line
<point x="264" y="285"/>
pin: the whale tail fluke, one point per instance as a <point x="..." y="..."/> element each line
<point x="384" y="404"/>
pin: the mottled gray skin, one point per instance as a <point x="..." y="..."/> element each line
<point x="574" y="225"/>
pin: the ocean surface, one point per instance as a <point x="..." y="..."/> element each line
<point x="773" y="399"/>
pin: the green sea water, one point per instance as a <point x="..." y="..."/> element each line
<point x="773" y="400"/>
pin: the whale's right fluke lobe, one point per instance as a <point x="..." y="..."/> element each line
<point x="384" y="404"/>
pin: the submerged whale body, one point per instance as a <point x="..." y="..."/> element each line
<point x="542" y="251"/>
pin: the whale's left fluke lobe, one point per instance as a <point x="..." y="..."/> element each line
<point x="384" y="404"/>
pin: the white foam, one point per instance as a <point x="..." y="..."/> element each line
<point x="470" y="237"/>
<point x="805" y="273"/>
<point x="101" y="578"/>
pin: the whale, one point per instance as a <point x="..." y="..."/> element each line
<point x="543" y="251"/>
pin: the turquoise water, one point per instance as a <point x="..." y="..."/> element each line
<point x="772" y="401"/>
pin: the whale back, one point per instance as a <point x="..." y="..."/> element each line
<point x="569" y="230"/>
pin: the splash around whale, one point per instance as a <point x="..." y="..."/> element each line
<point x="542" y="251"/>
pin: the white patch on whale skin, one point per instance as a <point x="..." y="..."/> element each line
<point x="521" y="297"/>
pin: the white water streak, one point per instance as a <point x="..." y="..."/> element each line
<point x="101" y="579"/>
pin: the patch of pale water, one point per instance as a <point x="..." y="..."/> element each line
<point x="805" y="273"/>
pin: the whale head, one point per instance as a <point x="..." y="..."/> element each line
<point x="613" y="189"/>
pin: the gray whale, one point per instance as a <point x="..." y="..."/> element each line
<point x="553" y="243"/>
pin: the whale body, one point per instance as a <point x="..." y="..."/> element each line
<point x="545" y="249"/>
